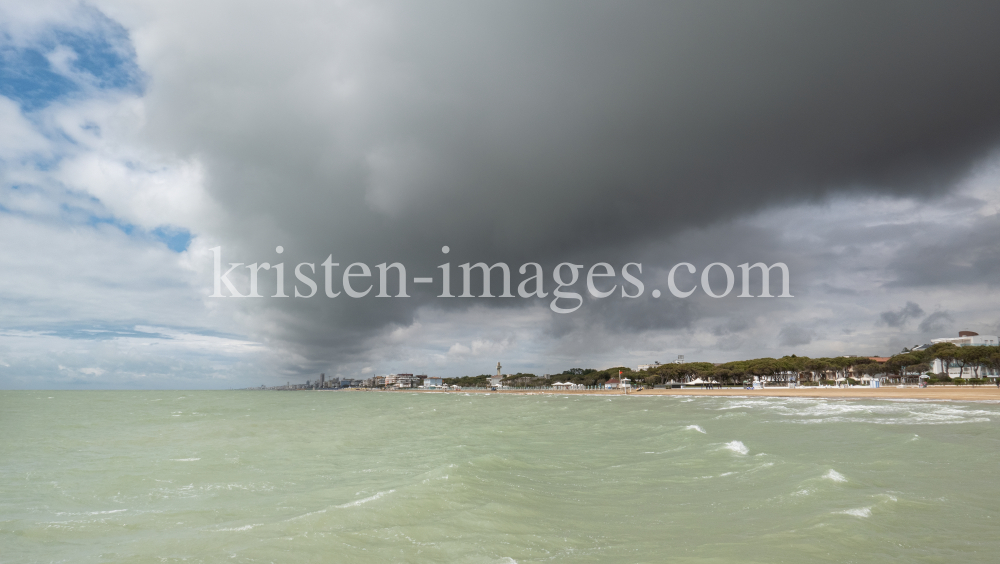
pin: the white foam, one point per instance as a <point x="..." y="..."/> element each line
<point x="887" y="412"/>
<point x="737" y="447"/>
<point x="835" y="476"/>
<point x="304" y="515"/>
<point x="94" y="512"/>
<point x="185" y="459"/>
<point x="695" y="428"/>
<point x="365" y="500"/>
<point x="859" y="512"/>
<point x="243" y="528"/>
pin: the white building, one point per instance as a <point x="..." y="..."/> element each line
<point x="400" y="381"/>
<point x="433" y="382"/>
<point x="680" y="360"/>
<point x="966" y="339"/>
<point x="956" y="370"/>
<point x="969" y="339"/>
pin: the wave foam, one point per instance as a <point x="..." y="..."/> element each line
<point x="835" y="476"/>
<point x="93" y="512"/>
<point x="365" y="500"/>
<point x="737" y="447"/>
<point x="243" y="528"/>
<point x="859" y="512"/>
<point x="890" y="412"/>
<point x="304" y="515"/>
<point x="695" y="428"/>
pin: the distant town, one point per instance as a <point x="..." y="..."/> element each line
<point x="968" y="359"/>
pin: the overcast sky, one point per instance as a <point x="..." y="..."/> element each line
<point x="856" y="142"/>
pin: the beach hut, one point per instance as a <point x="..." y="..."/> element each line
<point x="562" y="386"/>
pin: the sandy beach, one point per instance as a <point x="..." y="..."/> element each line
<point x="955" y="393"/>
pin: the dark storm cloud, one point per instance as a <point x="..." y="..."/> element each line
<point x="570" y="131"/>
<point x="900" y="317"/>
<point x="732" y="325"/>
<point x="964" y="255"/>
<point x="793" y="334"/>
<point x="936" y="322"/>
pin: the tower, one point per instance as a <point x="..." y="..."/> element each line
<point x="495" y="380"/>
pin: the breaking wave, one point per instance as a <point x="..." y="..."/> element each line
<point x="883" y="412"/>
<point x="835" y="476"/>
<point x="364" y="500"/>
<point x="859" y="512"/>
<point x="737" y="447"/>
<point x="243" y="528"/>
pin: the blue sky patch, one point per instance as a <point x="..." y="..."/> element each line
<point x="98" y="332"/>
<point x="104" y="53"/>
<point x="174" y="238"/>
<point x="124" y="227"/>
<point x="26" y="77"/>
<point x="107" y="55"/>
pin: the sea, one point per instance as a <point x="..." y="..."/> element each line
<point x="327" y="476"/>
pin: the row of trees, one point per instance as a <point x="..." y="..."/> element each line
<point x="909" y="364"/>
<point x="585" y="376"/>
<point x="906" y="365"/>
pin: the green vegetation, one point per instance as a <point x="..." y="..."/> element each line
<point x="907" y="364"/>
<point x="585" y="376"/>
<point x="481" y="381"/>
<point x="826" y="371"/>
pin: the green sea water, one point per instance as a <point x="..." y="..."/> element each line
<point x="254" y="476"/>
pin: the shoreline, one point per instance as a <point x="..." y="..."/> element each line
<point x="954" y="393"/>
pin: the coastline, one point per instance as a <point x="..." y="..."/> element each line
<point x="953" y="393"/>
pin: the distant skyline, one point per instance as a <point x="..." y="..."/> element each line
<point x="858" y="143"/>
